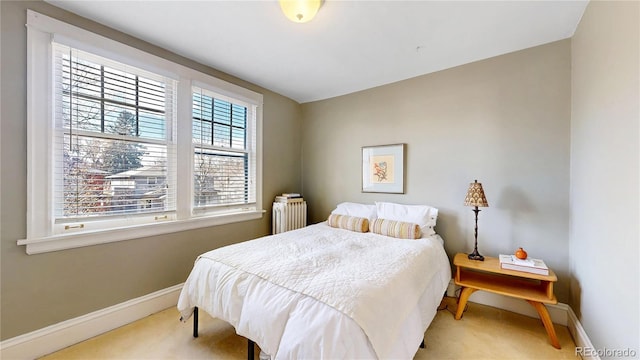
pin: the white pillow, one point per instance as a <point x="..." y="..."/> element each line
<point x="357" y="210"/>
<point x="423" y="215"/>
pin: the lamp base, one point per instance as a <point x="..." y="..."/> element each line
<point x="475" y="256"/>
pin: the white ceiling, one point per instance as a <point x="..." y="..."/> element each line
<point x="349" y="46"/>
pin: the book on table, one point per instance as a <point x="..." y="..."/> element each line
<point x="533" y="266"/>
<point x="289" y="198"/>
<point x="285" y="199"/>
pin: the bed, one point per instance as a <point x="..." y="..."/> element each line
<point x="325" y="291"/>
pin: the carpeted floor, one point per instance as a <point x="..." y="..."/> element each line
<point x="482" y="333"/>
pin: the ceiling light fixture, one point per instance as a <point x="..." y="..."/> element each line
<point x="300" y="11"/>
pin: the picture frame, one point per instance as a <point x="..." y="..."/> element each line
<point x="383" y="168"/>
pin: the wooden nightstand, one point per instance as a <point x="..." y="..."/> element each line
<point x="487" y="275"/>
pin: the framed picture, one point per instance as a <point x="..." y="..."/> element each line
<point x="383" y="168"/>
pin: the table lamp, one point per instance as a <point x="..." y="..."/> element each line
<point x="475" y="197"/>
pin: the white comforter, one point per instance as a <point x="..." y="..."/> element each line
<point x="352" y="294"/>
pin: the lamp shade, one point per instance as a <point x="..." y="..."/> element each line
<point x="475" y="195"/>
<point x="300" y="11"/>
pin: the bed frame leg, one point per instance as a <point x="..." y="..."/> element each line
<point x="195" y="322"/>
<point x="422" y="344"/>
<point x="250" y="350"/>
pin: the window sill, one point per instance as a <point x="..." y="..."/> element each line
<point x="70" y="241"/>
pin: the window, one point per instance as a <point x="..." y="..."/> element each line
<point x="132" y="145"/>
<point x="223" y="171"/>
<point x="115" y="131"/>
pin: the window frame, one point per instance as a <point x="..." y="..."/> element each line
<point x="40" y="237"/>
<point x="63" y="223"/>
<point x="213" y="149"/>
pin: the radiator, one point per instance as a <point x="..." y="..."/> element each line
<point x="289" y="216"/>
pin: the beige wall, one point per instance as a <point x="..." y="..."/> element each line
<point x="40" y="290"/>
<point x="605" y="164"/>
<point x="504" y="121"/>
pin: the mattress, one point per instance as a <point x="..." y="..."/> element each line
<point x="321" y="292"/>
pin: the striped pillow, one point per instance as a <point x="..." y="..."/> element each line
<point x="349" y="222"/>
<point x="397" y="229"/>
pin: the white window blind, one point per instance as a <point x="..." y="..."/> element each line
<point x="224" y="151"/>
<point x="114" y="143"/>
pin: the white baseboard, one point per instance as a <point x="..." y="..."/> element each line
<point x="580" y="336"/>
<point x="58" y="336"/>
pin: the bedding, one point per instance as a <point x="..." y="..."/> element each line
<point x="347" y="222"/>
<point x="368" y="211"/>
<point x="423" y="215"/>
<point x="323" y="292"/>
<point x="397" y="229"/>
